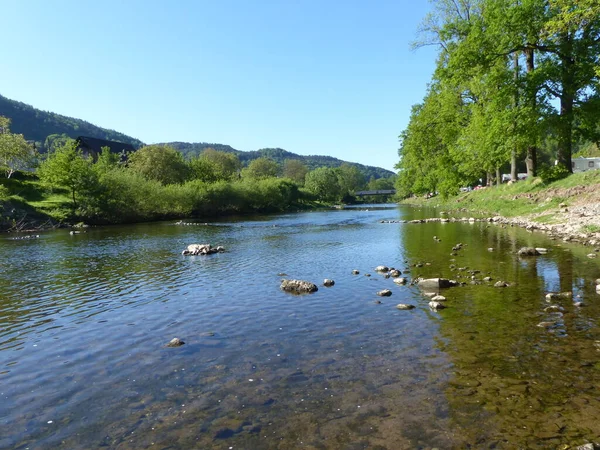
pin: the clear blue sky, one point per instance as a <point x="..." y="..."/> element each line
<point x="313" y="77"/>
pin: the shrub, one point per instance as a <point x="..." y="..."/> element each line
<point x="550" y="174"/>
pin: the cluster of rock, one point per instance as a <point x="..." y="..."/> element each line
<point x="29" y="236"/>
<point x="568" y="232"/>
<point x="181" y="222"/>
<point x="202" y="249"/>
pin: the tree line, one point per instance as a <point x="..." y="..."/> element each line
<point x="157" y="181"/>
<point x="516" y="87"/>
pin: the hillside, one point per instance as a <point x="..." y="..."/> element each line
<point x="36" y="125"/>
<point x="279" y="155"/>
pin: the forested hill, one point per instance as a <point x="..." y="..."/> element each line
<point x="36" y="125"/>
<point x="279" y="155"/>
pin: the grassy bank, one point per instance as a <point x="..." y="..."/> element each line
<point x="530" y="198"/>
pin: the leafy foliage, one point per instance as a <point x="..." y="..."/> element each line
<point x="502" y="69"/>
<point x="159" y="162"/>
<point x="15" y="152"/>
<point x="261" y="168"/>
<point x="68" y="168"/>
<point x="550" y="174"/>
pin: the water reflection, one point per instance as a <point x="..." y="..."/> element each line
<point x="524" y="367"/>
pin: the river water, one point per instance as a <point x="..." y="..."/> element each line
<point x="84" y="320"/>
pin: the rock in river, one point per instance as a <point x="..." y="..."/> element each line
<point x="528" y="251"/>
<point x="175" y="342"/>
<point x="384" y="293"/>
<point x="435" y="283"/>
<point x="404" y="306"/>
<point x="298" y="286"/>
<point x="400" y="280"/>
<point x="395" y="273"/>
<point x="436" y="305"/>
<point x="328" y="283"/>
<point x="555" y="295"/>
<point x="202" y="249"/>
<point x="381" y="269"/>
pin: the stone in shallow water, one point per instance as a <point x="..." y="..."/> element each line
<point x="436" y="305"/>
<point x="384" y="293"/>
<point x="298" y="286"/>
<point x="555" y="295"/>
<point x="528" y="251"/>
<point x="400" y="280"/>
<point x="404" y="306"/>
<point x="382" y="269"/>
<point x="328" y="283"/>
<point x="175" y="342"/>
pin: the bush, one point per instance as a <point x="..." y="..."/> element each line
<point x="4" y="193"/>
<point x="550" y="174"/>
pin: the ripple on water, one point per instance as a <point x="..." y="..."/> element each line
<point x="84" y="321"/>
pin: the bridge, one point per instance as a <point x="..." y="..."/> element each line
<point x="379" y="192"/>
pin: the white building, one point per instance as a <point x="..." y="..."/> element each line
<point x="584" y="164"/>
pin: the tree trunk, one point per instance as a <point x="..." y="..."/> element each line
<point x="498" y="176"/>
<point x="513" y="154"/>
<point x="531" y="159"/>
<point x="569" y="89"/>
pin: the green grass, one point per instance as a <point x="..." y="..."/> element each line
<point x="523" y="198"/>
<point x="591" y="229"/>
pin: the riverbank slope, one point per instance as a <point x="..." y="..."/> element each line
<point x="569" y="208"/>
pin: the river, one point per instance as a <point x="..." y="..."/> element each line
<point x="84" y="320"/>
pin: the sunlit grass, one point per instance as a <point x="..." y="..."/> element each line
<point x="523" y="198"/>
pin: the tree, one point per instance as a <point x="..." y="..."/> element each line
<point x="107" y="161"/>
<point x="295" y="170"/>
<point x="159" y="162"/>
<point x="67" y="167"/>
<point x="204" y="169"/>
<point x="226" y="165"/>
<point x="261" y="168"/>
<point x="323" y="182"/>
<point x="15" y="152"/>
<point x="350" y="178"/>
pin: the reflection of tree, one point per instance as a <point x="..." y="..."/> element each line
<point x="513" y="382"/>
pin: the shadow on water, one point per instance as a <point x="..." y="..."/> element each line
<point x="84" y="321"/>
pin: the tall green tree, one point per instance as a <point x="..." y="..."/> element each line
<point x="295" y="170"/>
<point x="323" y="182"/>
<point x="350" y="179"/>
<point x="159" y="162"/>
<point x="227" y="166"/>
<point x="67" y="167"/>
<point x="15" y="152"/>
<point x="261" y="168"/>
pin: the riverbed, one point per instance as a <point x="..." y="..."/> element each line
<point x="85" y="319"/>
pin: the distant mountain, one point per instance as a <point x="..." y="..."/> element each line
<point x="37" y="125"/>
<point x="279" y="155"/>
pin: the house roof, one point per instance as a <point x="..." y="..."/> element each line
<point x="95" y="145"/>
